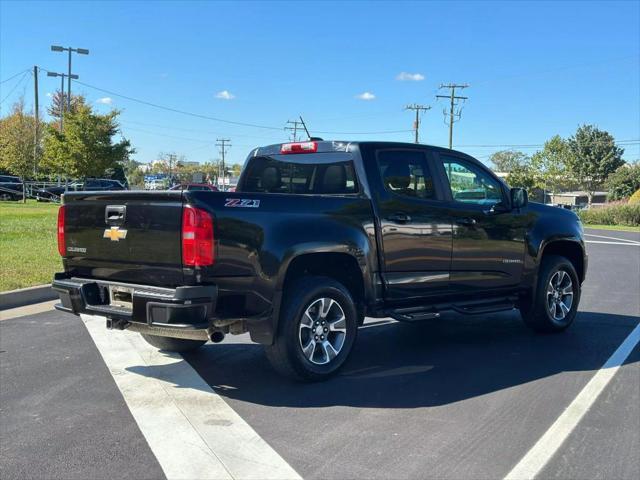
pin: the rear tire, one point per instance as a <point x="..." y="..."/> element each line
<point x="555" y="305"/>
<point x="168" y="344"/>
<point x="316" y="332"/>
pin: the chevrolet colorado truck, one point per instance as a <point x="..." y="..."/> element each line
<point x="317" y="236"/>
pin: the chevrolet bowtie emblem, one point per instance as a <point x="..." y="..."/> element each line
<point x="115" y="234"/>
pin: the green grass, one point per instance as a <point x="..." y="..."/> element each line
<point x="28" y="250"/>
<point x="619" y="228"/>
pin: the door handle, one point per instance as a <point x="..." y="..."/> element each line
<point x="467" y="221"/>
<point x="399" y="218"/>
<point x="114" y="214"/>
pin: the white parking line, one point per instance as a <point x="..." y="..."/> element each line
<point x="190" y="429"/>
<point x="536" y="458"/>
<point x="612" y="238"/>
<point x="613" y="243"/>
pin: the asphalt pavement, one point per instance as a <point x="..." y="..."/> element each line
<point x="461" y="397"/>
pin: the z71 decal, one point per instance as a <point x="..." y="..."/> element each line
<point x="242" y="202"/>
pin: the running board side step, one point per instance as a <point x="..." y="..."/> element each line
<point x="480" y="307"/>
<point x="472" y="307"/>
<point x="413" y="314"/>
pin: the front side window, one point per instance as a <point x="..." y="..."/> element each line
<point x="406" y="173"/>
<point x="469" y="184"/>
<point x="271" y="175"/>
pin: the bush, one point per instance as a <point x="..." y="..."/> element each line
<point x="635" y="198"/>
<point x="627" y="214"/>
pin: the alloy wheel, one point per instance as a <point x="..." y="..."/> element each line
<point x="322" y="332"/>
<point x="559" y="295"/>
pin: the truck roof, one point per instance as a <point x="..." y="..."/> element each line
<point x="325" y="146"/>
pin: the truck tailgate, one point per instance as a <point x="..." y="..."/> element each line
<point x="131" y="237"/>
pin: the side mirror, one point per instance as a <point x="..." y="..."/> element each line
<point x="519" y="198"/>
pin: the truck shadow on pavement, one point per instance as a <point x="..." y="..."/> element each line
<point x="418" y="365"/>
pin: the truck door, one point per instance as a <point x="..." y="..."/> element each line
<point x="415" y="225"/>
<point x="488" y="237"/>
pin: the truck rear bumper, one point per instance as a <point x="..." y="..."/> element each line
<point x="182" y="308"/>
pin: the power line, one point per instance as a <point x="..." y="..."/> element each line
<point x="24" y="75"/>
<point x="192" y="130"/>
<point x="14" y="76"/>
<point x="536" y="145"/>
<point x="216" y="119"/>
<point x="176" y="110"/>
<point x="363" y="133"/>
<point x="452" y="113"/>
<point x="416" y="123"/>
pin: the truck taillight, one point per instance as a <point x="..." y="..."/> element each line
<point x="197" y="237"/>
<point x="62" y="247"/>
<point x="299" y="147"/>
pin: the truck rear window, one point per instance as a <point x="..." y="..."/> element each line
<point x="273" y="175"/>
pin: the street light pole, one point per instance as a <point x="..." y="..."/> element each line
<point x="62" y="76"/>
<point x="69" y="84"/>
<point x="81" y="51"/>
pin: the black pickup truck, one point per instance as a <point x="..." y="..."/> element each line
<point x="317" y="236"/>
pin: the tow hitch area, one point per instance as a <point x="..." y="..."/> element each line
<point x="121" y="297"/>
<point x="116" y="324"/>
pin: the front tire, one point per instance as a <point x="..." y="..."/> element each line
<point x="555" y="305"/>
<point x="168" y="344"/>
<point x="316" y="332"/>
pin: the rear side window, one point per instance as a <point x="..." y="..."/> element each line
<point x="406" y="173"/>
<point x="271" y="175"/>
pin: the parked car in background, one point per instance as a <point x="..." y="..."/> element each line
<point x="195" y="186"/>
<point x="52" y="194"/>
<point x="10" y="187"/>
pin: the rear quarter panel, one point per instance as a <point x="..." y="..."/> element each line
<point x="255" y="244"/>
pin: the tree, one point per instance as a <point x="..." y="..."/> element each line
<point x="523" y="176"/>
<point x="85" y="148"/>
<point x="134" y="175"/>
<point x="236" y="169"/>
<point x="17" y="143"/>
<point x="623" y="182"/>
<point x="551" y="165"/>
<point x="59" y="103"/>
<point x="593" y="156"/>
<point x="509" y="160"/>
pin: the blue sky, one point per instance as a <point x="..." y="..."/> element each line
<point x="535" y="69"/>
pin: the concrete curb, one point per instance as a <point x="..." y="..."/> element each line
<point x="26" y="296"/>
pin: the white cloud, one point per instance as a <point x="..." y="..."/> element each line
<point x="225" y="95"/>
<point x="366" y="96"/>
<point x="410" y="77"/>
<point x="104" y="100"/>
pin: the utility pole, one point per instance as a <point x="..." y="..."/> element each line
<point x="296" y="125"/>
<point x="223" y="143"/>
<point x="418" y="109"/>
<point x="81" y="51"/>
<point x="37" y="124"/>
<point x="453" y="98"/>
<point x="172" y="158"/>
